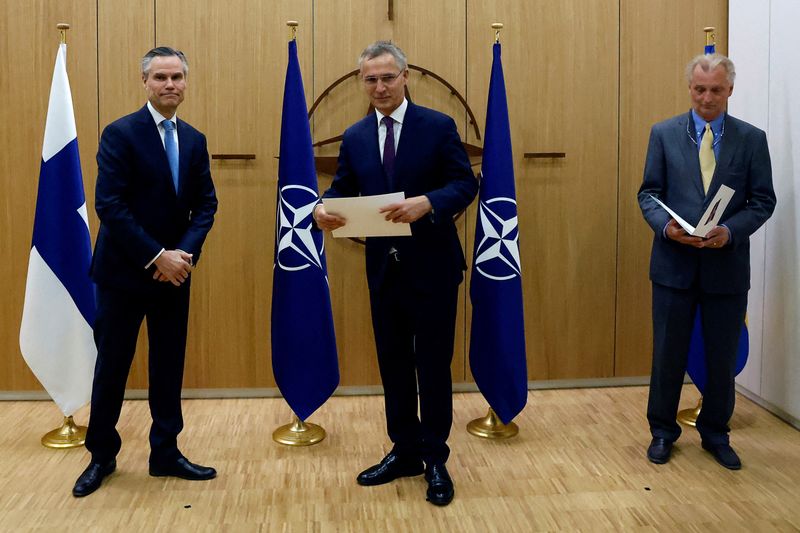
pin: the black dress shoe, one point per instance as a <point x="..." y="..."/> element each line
<point x="184" y="469"/>
<point x="724" y="455"/>
<point x="440" y="486"/>
<point x="659" y="451"/>
<point x="91" y="478"/>
<point x="390" y="468"/>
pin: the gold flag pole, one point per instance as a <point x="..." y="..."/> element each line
<point x="298" y="433"/>
<point x="293" y="24"/>
<point x="69" y="435"/>
<point x="490" y="426"/>
<point x="688" y="417"/>
<point x="62" y="30"/>
<point x="497" y="26"/>
<point x="710" y="35"/>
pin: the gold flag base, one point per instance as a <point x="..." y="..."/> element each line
<point x="298" y="433"/>
<point x="69" y="435"/>
<point x="688" y="417"/>
<point x="491" y="427"/>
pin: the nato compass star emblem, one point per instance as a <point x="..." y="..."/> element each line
<point x="497" y="253"/>
<point x="297" y="247"/>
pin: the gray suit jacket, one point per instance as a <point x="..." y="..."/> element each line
<point x="672" y="174"/>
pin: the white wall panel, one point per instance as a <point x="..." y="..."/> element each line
<point x="769" y="71"/>
<point x="780" y="384"/>
<point x="748" y="47"/>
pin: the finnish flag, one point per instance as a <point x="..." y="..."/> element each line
<point x="56" y="333"/>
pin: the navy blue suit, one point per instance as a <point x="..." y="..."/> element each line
<point x="684" y="277"/>
<point x="413" y="293"/>
<point x="140" y="213"/>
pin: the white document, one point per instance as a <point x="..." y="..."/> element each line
<point x="363" y="217"/>
<point x="710" y="218"/>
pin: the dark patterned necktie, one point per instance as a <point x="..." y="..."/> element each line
<point x="388" y="151"/>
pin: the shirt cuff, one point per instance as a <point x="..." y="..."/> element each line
<point x="153" y="260"/>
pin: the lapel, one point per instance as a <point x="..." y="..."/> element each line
<point x="368" y="138"/>
<point x="684" y="133"/>
<point x="404" y="148"/>
<point x="730" y="142"/>
<point x="184" y="153"/>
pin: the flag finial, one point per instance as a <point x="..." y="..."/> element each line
<point x="710" y="37"/>
<point x="293" y="24"/>
<point x="497" y="26"/>
<point x="62" y="30"/>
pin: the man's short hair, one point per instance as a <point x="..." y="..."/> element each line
<point x="708" y="62"/>
<point x="379" y="48"/>
<point x="163" y="51"/>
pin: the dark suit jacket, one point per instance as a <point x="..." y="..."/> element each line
<point x="430" y="160"/>
<point x="672" y="174"/>
<point x="139" y="210"/>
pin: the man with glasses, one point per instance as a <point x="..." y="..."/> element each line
<point x="413" y="281"/>
<point x="689" y="157"/>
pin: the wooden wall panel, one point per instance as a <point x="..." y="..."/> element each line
<point x="238" y="55"/>
<point x="125" y="32"/>
<point x="560" y="62"/>
<point x="28" y="51"/>
<point x="657" y="41"/>
<point x="568" y="66"/>
<point x="432" y="36"/>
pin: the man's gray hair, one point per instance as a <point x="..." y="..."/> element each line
<point x="379" y="48"/>
<point x="163" y="51"/>
<point x="708" y="62"/>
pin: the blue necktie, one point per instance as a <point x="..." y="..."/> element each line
<point x="388" y="152"/>
<point x="172" y="150"/>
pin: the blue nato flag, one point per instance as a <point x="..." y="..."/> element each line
<point x="304" y="358"/>
<point x="497" y="338"/>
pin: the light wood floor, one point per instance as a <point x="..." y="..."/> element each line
<point x="578" y="464"/>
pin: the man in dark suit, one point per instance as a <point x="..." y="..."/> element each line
<point x="156" y="203"/>
<point x="413" y="281"/>
<point x="689" y="157"/>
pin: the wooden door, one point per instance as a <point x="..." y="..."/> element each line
<point x="657" y="41"/>
<point x="561" y="63"/>
<point x="238" y="53"/>
<point x="28" y="52"/>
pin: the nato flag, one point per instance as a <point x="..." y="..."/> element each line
<point x="304" y="358"/>
<point x="497" y="340"/>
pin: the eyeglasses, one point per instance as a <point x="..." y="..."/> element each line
<point x="386" y="79"/>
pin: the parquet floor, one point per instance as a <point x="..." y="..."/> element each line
<point x="578" y="464"/>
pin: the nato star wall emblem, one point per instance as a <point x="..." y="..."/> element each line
<point x="497" y="253"/>
<point x="299" y="246"/>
